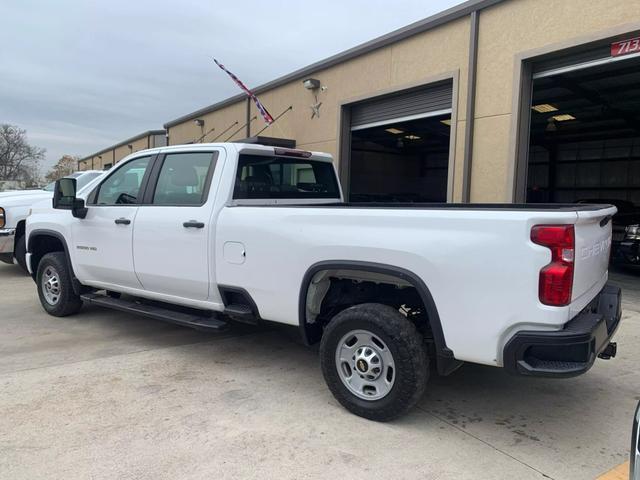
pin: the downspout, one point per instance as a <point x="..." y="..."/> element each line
<point x="471" y="106"/>
<point x="248" y="119"/>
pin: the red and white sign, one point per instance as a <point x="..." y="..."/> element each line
<point x="625" y="47"/>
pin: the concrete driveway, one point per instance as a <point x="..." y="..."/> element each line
<point x="106" y="395"/>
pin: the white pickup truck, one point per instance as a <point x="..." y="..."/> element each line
<point x="202" y="234"/>
<point x="14" y="208"/>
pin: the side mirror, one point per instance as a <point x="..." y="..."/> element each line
<point x="64" y="198"/>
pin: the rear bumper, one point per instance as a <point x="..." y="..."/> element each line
<point x="572" y="350"/>
<point x="7" y="238"/>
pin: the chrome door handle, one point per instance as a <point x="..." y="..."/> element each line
<point x="193" y="224"/>
<point x="122" y="221"/>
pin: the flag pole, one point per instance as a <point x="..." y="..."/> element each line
<point x="225" y="131"/>
<point x="204" y="135"/>
<point x="261" y="108"/>
<point x="290" y="107"/>
<point x="234" y="133"/>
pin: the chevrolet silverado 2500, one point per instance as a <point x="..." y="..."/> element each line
<point x="14" y="208"/>
<point x="202" y="234"/>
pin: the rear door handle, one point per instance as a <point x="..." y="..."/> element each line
<point x="193" y="224"/>
<point x="122" y="221"/>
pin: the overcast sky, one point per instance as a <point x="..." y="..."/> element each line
<point x="82" y="75"/>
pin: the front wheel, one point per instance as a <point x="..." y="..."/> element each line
<point x="54" y="286"/>
<point x="374" y="361"/>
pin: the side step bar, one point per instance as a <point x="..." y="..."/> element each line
<point x="241" y="313"/>
<point x="197" y="322"/>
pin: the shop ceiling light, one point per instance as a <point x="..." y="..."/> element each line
<point x="565" y="117"/>
<point x="395" y="131"/>
<point x="446" y="122"/>
<point x="412" y="137"/>
<point x="544" y="108"/>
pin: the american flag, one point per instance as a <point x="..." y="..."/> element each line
<point x="263" y="111"/>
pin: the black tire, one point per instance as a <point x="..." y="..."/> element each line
<point x="67" y="302"/>
<point x="20" y="253"/>
<point x="410" y="359"/>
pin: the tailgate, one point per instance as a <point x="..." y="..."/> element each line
<point x="593" y="246"/>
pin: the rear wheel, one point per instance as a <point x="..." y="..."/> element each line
<point x="21" y="253"/>
<point x="374" y="361"/>
<point x="55" y="288"/>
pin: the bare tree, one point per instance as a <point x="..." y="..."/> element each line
<point x="18" y="159"/>
<point x="65" y="166"/>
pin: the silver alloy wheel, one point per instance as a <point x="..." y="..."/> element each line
<point x="50" y="284"/>
<point x="365" y="365"/>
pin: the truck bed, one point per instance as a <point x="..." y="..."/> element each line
<point x="534" y="207"/>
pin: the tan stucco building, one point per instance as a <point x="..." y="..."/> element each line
<point x="489" y="101"/>
<point x="107" y="157"/>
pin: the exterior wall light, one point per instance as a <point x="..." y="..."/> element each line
<point x="311" y="83"/>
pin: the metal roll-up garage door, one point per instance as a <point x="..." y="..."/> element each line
<point x="408" y="105"/>
<point x="570" y="61"/>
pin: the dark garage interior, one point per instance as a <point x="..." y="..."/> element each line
<point x="401" y="162"/>
<point x="585" y="144"/>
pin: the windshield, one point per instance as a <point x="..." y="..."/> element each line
<point x="86" y="178"/>
<point x="83" y="179"/>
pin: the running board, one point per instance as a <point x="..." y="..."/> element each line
<point x="197" y="322"/>
<point x="241" y="313"/>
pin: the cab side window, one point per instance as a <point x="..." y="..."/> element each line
<point x="184" y="179"/>
<point x="123" y="187"/>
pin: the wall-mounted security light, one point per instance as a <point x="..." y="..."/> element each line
<point x="311" y="83"/>
<point x="199" y="122"/>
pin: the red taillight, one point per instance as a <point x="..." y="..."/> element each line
<point x="556" y="278"/>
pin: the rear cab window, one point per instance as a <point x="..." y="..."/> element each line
<point x="273" y="177"/>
